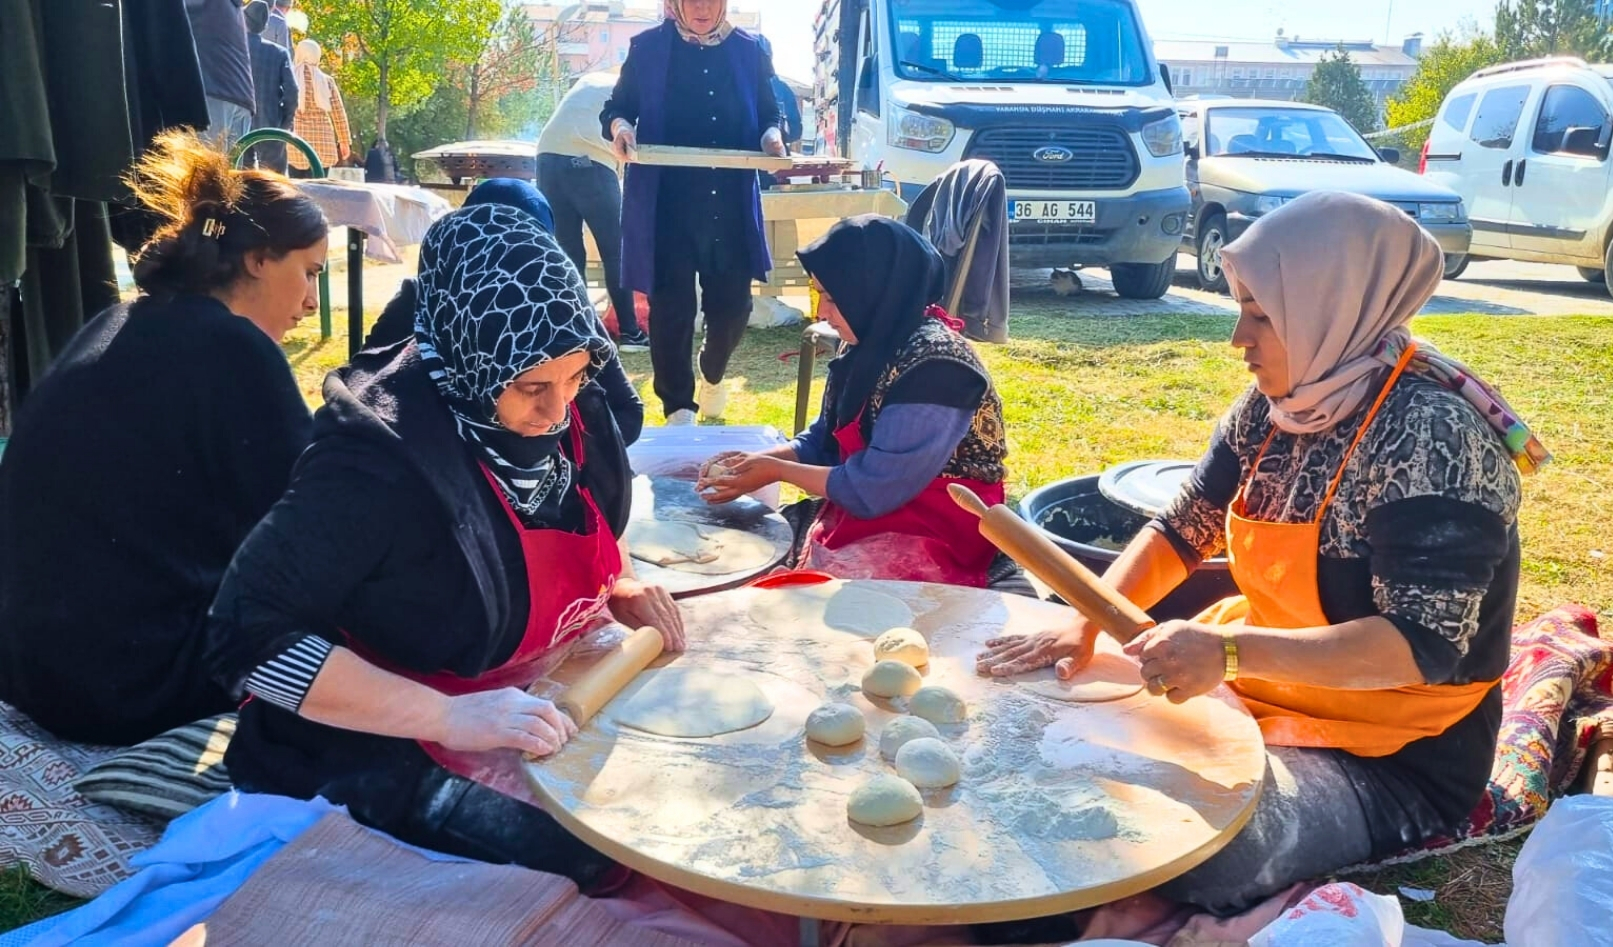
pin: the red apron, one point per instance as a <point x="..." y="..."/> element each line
<point x="928" y="539"/>
<point x="570" y="577"/>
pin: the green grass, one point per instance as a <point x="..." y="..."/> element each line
<point x="1083" y="393"/>
<point x="24" y="902"/>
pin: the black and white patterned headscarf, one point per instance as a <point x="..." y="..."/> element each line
<point x="498" y="297"/>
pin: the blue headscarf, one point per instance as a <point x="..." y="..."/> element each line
<point x="513" y="193"/>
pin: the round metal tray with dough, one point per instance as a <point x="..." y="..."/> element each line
<point x="1061" y="806"/>
<point x="668" y="500"/>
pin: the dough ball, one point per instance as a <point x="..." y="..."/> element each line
<point x="938" y="705"/>
<point x="904" y="645"/>
<point x="900" y="731"/>
<point x="835" y="725"/>
<point x="891" y="679"/>
<point x="928" y="763"/>
<point x="885" y="800"/>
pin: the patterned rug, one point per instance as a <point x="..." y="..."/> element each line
<point x="1558" y="691"/>
<point x="65" y="841"/>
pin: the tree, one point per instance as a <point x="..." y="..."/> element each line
<point x="395" y="52"/>
<point x="509" y="64"/>
<point x="1444" y="64"/>
<point x="1336" y="83"/>
<point x="1528" y="29"/>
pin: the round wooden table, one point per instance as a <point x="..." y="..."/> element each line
<point x="672" y="500"/>
<point x="1062" y="806"/>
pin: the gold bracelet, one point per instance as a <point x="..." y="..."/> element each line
<point x="1230" y="644"/>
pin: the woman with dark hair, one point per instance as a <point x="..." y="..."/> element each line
<point x="909" y="410"/>
<point x="454" y="524"/>
<point x="397" y="320"/>
<point x="157" y="440"/>
<point x="694" y="81"/>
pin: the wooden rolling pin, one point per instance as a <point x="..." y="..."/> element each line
<point x="606" y="679"/>
<point x="1039" y="556"/>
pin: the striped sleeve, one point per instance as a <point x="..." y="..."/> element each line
<point x="284" y="680"/>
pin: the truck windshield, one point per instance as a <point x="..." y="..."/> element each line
<point x="1057" y="41"/>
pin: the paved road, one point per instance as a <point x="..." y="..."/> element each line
<point x="1500" y="288"/>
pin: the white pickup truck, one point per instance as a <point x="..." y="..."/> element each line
<point x="1064" y="96"/>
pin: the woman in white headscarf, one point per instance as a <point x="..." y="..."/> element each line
<point x="1365" y="490"/>
<point x="321" y="116"/>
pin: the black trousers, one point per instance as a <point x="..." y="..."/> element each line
<point x="581" y="192"/>
<point x="725" y="298"/>
<point x="269" y="156"/>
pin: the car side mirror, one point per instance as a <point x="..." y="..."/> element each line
<point x="1192" y="151"/>
<point x="1391" y="155"/>
<point x="1581" y="140"/>
<point x="1165" y="74"/>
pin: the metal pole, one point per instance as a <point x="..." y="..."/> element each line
<point x="355" y="290"/>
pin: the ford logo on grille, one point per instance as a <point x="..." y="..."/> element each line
<point x="1053" y="154"/>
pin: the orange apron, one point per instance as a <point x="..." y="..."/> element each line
<point x="1274" y="565"/>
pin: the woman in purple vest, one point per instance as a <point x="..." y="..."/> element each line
<point x="683" y="224"/>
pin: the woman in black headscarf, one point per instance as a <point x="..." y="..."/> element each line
<point x="454" y="523"/>
<point x="909" y="410"/>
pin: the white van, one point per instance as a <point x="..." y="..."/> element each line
<point x="1064" y="96"/>
<point x="1526" y="146"/>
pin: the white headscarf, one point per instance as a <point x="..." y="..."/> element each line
<point x="724" y="28"/>
<point x="309" y="75"/>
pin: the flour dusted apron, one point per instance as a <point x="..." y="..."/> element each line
<point x="570" y="577"/>
<point x="1274" y="565"/>
<point x="928" y="539"/>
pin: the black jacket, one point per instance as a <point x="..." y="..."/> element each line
<point x="157" y="441"/>
<point x="274" y="84"/>
<point x="220" y="31"/>
<point x="390" y="534"/>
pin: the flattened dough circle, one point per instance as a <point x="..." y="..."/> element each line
<point x="690" y="702"/>
<point x="1108" y="677"/>
<point x="697" y="548"/>
<point x="835" y="605"/>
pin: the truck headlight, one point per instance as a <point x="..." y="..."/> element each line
<point x="917" y="132"/>
<point x="1441" y="213"/>
<point x="1163" y="137"/>
<point x="1266" y="203"/>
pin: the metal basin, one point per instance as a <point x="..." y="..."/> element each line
<point x="1085" y="524"/>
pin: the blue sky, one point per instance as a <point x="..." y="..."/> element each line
<point x="788" y="23"/>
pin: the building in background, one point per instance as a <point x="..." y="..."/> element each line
<point x="595" y="35"/>
<point x="1280" y="69"/>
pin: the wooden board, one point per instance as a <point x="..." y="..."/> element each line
<point x="759" y="817"/>
<point x="678" y="156"/>
<point x="673" y="500"/>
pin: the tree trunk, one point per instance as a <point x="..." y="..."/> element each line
<point x="383" y="97"/>
<point x="473" y="103"/>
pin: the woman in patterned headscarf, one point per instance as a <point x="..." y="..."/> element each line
<point x="1365" y="489"/>
<point x="455" y="521"/>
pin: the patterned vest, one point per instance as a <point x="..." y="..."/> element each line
<point x="981" y="453"/>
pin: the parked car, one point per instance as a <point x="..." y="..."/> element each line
<point x="1247" y="157"/>
<point x="1526" y="145"/>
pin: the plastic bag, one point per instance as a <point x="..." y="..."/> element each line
<point x="1337" y="915"/>
<point x="1562" y="882"/>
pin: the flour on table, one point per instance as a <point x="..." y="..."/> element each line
<point x="690" y="702"/>
<point x="836" y="605"/>
<point x="1108" y="677"/>
<point x="696" y="548"/>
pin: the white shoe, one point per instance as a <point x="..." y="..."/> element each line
<point x="713" y="399"/>
<point x="682" y="417"/>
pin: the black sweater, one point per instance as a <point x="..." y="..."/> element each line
<point x="159" y="438"/>
<point x="389" y="533"/>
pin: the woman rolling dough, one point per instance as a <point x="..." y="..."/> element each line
<point x="1366" y="489"/>
<point x="453" y="523"/>
<point x="909" y="409"/>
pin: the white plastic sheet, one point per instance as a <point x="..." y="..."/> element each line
<point x="1562" y="882"/>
